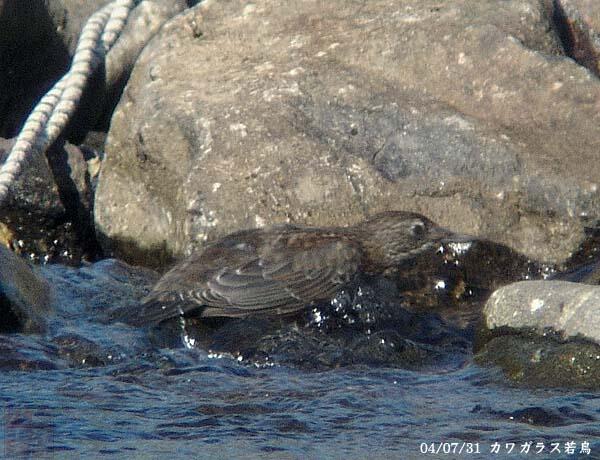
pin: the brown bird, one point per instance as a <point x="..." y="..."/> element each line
<point x="285" y="268"/>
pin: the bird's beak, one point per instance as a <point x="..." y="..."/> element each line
<point x="448" y="236"/>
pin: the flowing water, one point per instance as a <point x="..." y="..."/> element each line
<point x="95" y="388"/>
<point x="183" y="403"/>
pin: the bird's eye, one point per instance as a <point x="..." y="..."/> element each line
<point x="418" y="229"/>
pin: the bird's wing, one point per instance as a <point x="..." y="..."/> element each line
<point x="279" y="281"/>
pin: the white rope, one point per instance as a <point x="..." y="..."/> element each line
<point x="55" y="109"/>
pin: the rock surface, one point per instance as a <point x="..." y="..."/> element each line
<point x="366" y="323"/>
<point x="571" y="309"/>
<point x="35" y="190"/>
<point x="240" y="114"/>
<point x="24" y="296"/>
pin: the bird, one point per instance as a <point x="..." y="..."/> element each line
<point x="282" y="269"/>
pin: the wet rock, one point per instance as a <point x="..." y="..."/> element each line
<point x="421" y="314"/>
<point x="457" y="279"/>
<point x="571" y="309"/>
<point x="584" y="265"/>
<point x="588" y="273"/>
<point x="368" y="323"/>
<point x="48" y="214"/>
<point x="79" y="351"/>
<point x="322" y="118"/>
<point x="536" y="416"/>
<point x="543" y="362"/>
<point x="24" y="296"/>
<point x="35" y="190"/>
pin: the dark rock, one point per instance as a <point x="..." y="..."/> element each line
<point x="543" y="362"/>
<point x="69" y="17"/>
<point x="577" y="23"/>
<point x="79" y="351"/>
<point x="24" y="296"/>
<point x="537" y="416"/>
<point x="364" y="324"/>
<point x="48" y="214"/>
<point x="35" y="190"/>
<point x="324" y="118"/>
<point x="584" y="264"/>
<point x="456" y="281"/>
<point x="38" y="41"/>
<point x="32" y="58"/>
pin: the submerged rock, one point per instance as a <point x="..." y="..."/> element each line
<point x="27" y="353"/>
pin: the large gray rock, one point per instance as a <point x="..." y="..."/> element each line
<point x="239" y="115"/>
<point x="571" y="309"/>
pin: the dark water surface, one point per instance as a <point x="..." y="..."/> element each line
<point x="95" y="388"/>
<point x="183" y="403"/>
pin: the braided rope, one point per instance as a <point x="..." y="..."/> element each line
<point x="55" y="109"/>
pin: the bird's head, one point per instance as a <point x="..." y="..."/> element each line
<point x="393" y="237"/>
